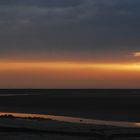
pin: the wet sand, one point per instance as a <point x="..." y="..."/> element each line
<point x="37" y="126"/>
<point x="69" y="119"/>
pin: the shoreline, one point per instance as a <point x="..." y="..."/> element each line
<point x="76" y="120"/>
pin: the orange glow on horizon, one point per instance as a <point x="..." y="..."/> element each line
<point x="69" y="65"/>
<point x="68" y="75"/>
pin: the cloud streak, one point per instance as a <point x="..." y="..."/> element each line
<point x="136" y="54"/>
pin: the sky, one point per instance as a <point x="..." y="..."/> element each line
<point x="69" y="44"/>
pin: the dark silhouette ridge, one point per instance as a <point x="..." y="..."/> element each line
<point x="68" y="91"/>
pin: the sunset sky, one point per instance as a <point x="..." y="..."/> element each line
<point x="69" y="44"/>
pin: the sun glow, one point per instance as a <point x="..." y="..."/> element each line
<point x="136" y="54"/>
<point x="52" y="74"/>
<point x="68" y="65"/>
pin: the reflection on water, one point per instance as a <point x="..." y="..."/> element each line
<point x="75" y="120"/>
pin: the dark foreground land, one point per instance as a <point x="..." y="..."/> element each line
<point x="95" y="104"/>
<point x="15" y="128"/>
<point x="74" y="132"/>
<point x="28" y="134"/>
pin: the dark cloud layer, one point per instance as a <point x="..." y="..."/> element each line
<point x="42" y="3"/>
<point x="69" y="26"/>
